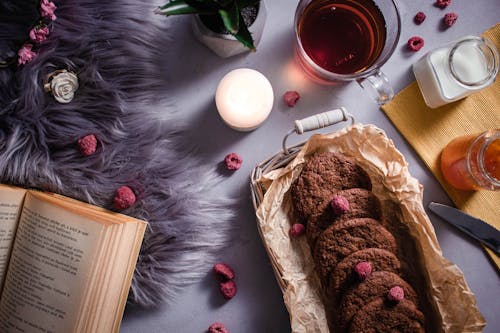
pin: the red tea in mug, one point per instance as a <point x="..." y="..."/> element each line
<point x="342" y="36"/>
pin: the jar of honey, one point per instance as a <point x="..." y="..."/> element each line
<point x="472" y="162"/>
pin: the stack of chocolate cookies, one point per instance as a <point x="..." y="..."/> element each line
<point x="355" y="255"/>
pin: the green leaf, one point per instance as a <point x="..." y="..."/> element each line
<point x="231" y="18"/>
<point x="244" y="36"/>
<point x="177" y="7"/>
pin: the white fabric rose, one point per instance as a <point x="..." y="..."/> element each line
<point x="63" y="86"/>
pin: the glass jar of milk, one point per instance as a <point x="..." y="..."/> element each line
<point x="456" y="70"/>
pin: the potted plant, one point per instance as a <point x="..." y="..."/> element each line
<point x="227" y="27"/>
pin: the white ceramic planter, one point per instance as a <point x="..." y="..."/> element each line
<point x="225" y="45"/>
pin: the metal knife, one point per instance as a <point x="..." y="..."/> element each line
<point x="472" y="226"/>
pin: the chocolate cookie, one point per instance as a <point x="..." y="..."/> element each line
<point x="345" y="274"/>
<point x="343" y="205"/>
<point x="381" y="315"/>
<point x="377" y="285"/>
<point x="341" y="239"/>
<point x="321" y="175"/>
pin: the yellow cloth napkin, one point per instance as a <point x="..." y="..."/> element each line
<point x="429" y="130"/>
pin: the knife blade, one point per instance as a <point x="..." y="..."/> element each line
<point x="472" y="226"/>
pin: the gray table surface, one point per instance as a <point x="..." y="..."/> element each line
<point x="195" y="71"/>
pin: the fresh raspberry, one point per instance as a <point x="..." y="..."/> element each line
<point x="223" y="272"/>
<point x="340" y="205"/>
<point x="124" y="198"/>
<point x="396" y="294"/>
<point x="228" y="289"/>
<point x="233" y="161"/>
<point x="87" y="144"/>
<point x="217" y="328"/>
<point x="363" y="270"/>
<point x="442" y="3"/>
<point x="419" y="18"/>
<point x="297" y="230"/>
<point x="415" y="43"/>
<point x="291" y="98"/>
<point x="450" y="19"/>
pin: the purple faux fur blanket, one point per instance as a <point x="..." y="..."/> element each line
<point x="115" y="48"/>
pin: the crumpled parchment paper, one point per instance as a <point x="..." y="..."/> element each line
<point x="451" y="306"/>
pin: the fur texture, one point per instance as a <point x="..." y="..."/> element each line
<point x="114" y="48"/>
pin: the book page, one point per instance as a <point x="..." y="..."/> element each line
<point x="48" y="269"/>
<point x="11" y="199"/>
<point x="109" y="290"/>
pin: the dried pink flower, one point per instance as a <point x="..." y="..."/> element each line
<point x="233" y="161"/>
<point x="415" y="43"/>
<point x="223" y="271"/>
<point x="25" y="54"/>
<point x="339" y="204"/>
<point x="228" y="289"/>
<point x="47" y="9"/>
<point x="87" y="144"/>
<point x="291" y="98"/>
<point x="297" y="230"/>
<point x="363" y="270"/>
<point x="396" y="294"/>
<point x="217" y="328"/>
<point x="124" y="198"/>
<point x="39" y="34"/>
<point x="419" y="18"/>
<point x="442" y="3"/>
<point x="450" y="19"/>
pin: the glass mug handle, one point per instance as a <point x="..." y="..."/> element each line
<point x="378" y="87"/>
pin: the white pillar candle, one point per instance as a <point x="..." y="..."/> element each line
<point x="244" y="99"/>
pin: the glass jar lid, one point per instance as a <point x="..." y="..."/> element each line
<point x="473" y="61"/>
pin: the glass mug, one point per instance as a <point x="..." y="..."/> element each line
<point x="348" y="40"/>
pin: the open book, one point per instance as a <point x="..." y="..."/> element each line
<point x="65" y="266"/>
